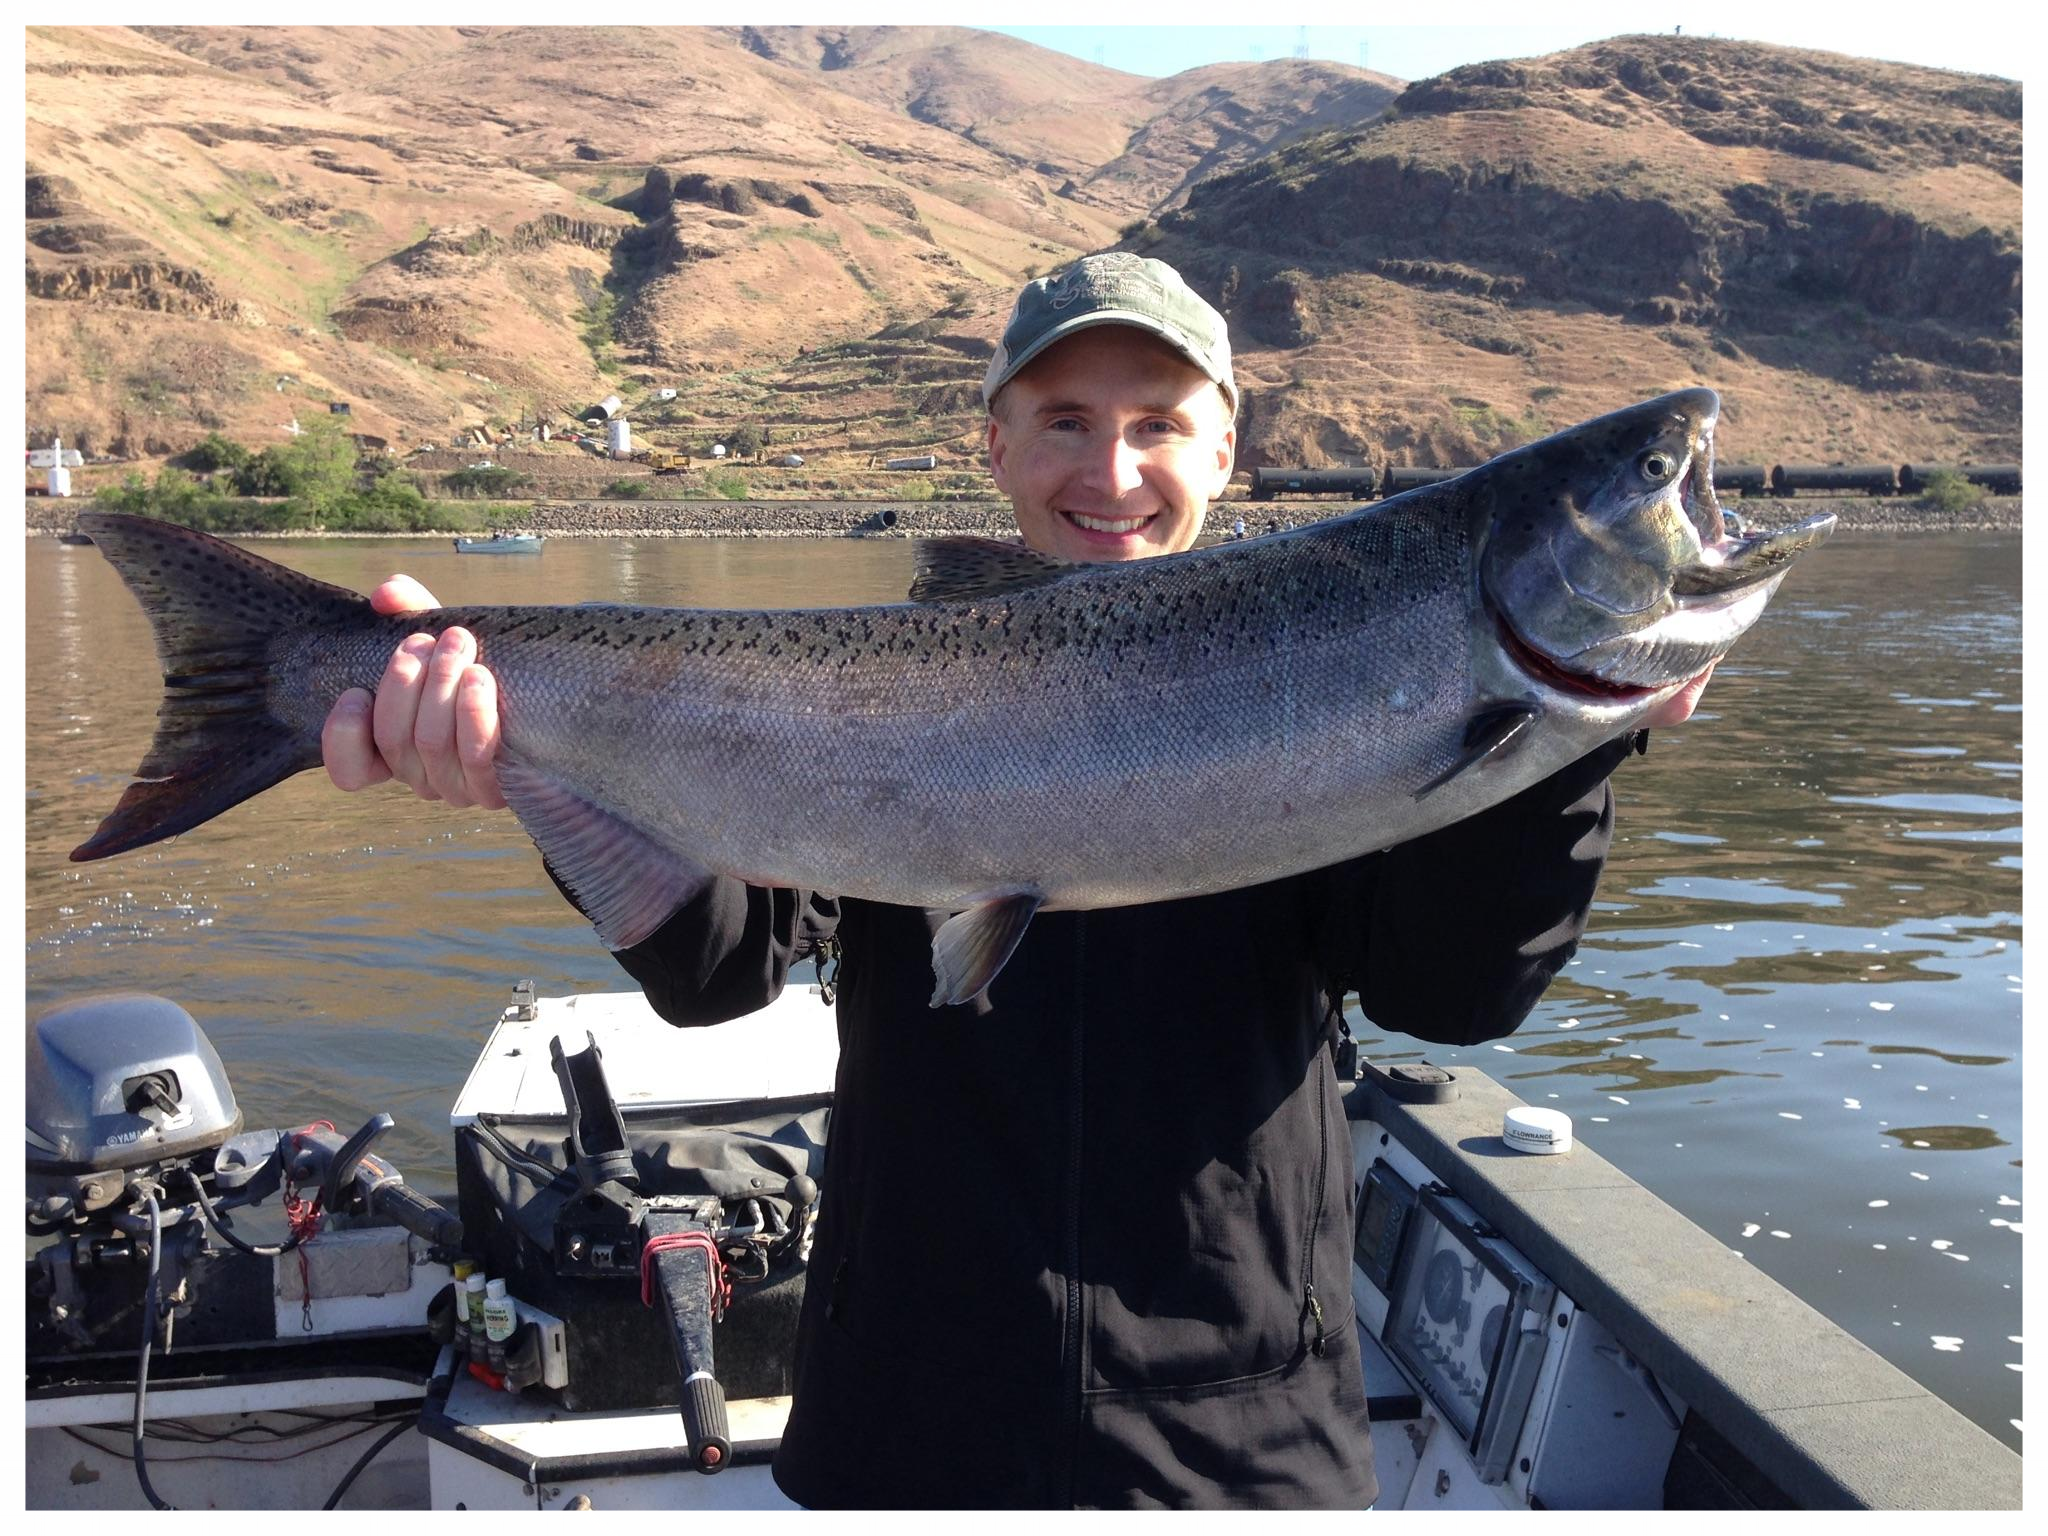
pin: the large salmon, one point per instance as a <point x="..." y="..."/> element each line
<point x="1023" y="733"/>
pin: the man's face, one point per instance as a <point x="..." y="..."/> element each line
<point x="1110" y="446"/>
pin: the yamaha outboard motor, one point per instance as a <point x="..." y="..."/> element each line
<point x="118" y="1086"/>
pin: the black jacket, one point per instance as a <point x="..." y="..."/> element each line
<point x="1088" y="1241"/>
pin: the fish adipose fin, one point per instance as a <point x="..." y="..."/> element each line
<point x="959" y="568"/>
<point x="972" y="946"/>
<point x="216" y="611"/>
<point x="627" y="884"/>
<point x="1488" y="732"/>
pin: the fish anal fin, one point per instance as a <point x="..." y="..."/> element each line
<point x="972" y="946"/>
<point x="1491" y="730"/>
<point x="627" y="884"/>
<point x="959" y="568"/>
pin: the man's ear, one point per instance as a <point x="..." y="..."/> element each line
<point x="1226" y="460"/>
<point x="998" y="452"/>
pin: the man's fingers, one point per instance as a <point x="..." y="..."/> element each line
<point x="401" y="594"/>
<point x="433" y="732"/>
<point x="1679" y="707"/>
<point x="397" y="709"/>
<point x="476" y="736"/>
<point x="346" y="746"/>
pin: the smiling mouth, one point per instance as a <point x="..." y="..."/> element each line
<point x="1112" y="525"/>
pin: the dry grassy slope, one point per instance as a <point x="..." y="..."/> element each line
<point x="1036" y="108"/>
<point x="172" y="201"/>
<point x="1833" y="243"/>
<point x="447" y="227"/>
<point x="1126" y="142"/>
<point x="321" y="60"/>
<point x="1213" y="119"/>
<point x="257" y="199"/>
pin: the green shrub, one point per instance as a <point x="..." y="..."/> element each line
<point x="215" y="453"/>
<point x="727" y="483"/>
<point x="497" y="480"/>
<point x="1946" y="491"/>
<point x="915" y="490"/>
<point x="626" y="489"/>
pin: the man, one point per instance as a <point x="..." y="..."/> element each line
<point x="1086" y="1240"/>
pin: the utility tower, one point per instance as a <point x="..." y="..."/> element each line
<point x="1301" y="42"/>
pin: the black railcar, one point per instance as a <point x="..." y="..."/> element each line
<point x="1871" y="479"/>
<point x="1999" y="479"/>
<point x="1362" y="482"/>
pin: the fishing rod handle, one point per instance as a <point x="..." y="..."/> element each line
<point x="685" y="1278"/>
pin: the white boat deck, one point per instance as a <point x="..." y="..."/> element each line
<point x="791" y="1047"/>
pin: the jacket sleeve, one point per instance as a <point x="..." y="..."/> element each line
<point x="727" y="950"/>
<point x="1452" y="936"/>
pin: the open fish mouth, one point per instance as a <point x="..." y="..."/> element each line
<point x="1713" y="603"/>
<point x="1732" y="561"/>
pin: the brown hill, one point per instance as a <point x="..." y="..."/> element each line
<point x="1131" y="144"/>
<point x="1832" y="242"/>
<point x="817" y="230"/>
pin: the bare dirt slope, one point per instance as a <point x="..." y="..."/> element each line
<point x="817" y="231"/>
<point x="1833" y="243"/>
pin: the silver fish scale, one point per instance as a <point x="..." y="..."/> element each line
<point x="1120" y="735"/>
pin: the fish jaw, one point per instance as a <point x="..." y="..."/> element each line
<point x="1610" y="574"/>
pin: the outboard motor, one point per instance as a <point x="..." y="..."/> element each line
<point x="118" y="1087"/>
<point x="129" y="1108"/>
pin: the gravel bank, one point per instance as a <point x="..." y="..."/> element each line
<point x="934" y="519"/>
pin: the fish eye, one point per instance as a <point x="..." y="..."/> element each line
<point x="1657" y="466"/>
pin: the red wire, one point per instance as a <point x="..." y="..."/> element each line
<point x="721" y="1286"/>
<point x="303" y="1216"/>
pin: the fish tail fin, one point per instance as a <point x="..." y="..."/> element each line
<point x="216" y="611"/>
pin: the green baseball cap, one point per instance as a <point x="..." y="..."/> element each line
<point x="1113" y="288"/>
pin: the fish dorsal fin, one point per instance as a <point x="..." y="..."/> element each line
<point x="957" y="568"/>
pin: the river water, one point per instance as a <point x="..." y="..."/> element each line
<point x="1796" y="1017"/>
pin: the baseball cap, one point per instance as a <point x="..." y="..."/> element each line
<point x="1112" y="288"/>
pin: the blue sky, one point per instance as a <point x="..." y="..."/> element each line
<point x="1976" y="39"/>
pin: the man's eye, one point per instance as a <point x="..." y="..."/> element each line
<point x="1064" y="424"/>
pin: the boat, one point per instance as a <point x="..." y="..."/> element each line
<point x="500" y="544"/>
<point x="1539" y="1331"/>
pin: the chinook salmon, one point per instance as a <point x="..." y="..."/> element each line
<point x="1023" y="733"/>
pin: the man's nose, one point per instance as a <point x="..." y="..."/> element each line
<point x="1116" y="463"/>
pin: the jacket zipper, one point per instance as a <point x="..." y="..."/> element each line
<point x="1072" y="1344"/>
<point x="1315" y="1220"/>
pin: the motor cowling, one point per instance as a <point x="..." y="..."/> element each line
<point x="117" y="1082"/>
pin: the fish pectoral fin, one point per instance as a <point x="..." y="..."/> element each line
<point x="1487" y="732"/>
<point x="972" y="946"/>
<point x="962" y="567"/>
<point x="627" y="884"/>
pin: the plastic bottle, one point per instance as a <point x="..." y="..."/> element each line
<point x="499" y="1320"/>
<point x="463" y="1269"/>
<point x="473" y="1292"/>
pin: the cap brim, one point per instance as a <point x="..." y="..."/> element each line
<point x="1066" y="328"/>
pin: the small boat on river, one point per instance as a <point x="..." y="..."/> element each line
<point x="500" y="544"/>
<point x="1538" y="1331"/>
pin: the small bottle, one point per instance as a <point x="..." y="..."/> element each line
<point x="499" y="1320"/>
<point x="473" y="1292"/>
<point x="463" y="1269"/>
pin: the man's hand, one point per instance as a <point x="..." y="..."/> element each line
<point x="434" y="720"/>
<point x="1680" y="705"/>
